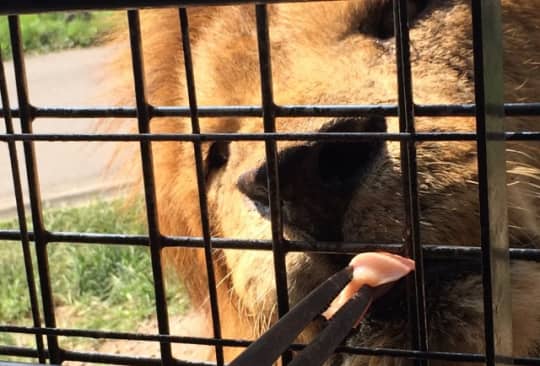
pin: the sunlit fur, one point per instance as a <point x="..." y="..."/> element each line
<point x="320" y="56"/>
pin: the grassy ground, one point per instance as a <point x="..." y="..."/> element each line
<point x="94" y="286"/>
<point x="55" y="31"/>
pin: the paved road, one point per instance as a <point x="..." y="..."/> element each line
<point x="72" y="171"/>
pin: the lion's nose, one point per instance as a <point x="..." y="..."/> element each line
<point x="317" y="179"/>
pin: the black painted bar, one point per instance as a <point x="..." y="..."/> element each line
<point x="95" y="357"/>
<point x="20" y="364"/>
<point x="430" y="250"/>
<point x="143" y="120"/>
<point x="293" y="111"/>
<point x="201" y="183"/>
<point x="33" y="6"/>
<point x="33" y="186"/>
<point x="280" y="268"/>
<point x="409" y="177"/>
<point x="21" y="216"/>
<point x="490" y="137"/>
<point x="319" y="136"/>
<point x="488" y="75"/>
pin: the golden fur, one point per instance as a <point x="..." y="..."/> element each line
<point x="327" y="53"/>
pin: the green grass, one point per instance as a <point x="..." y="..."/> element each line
<point x="94" y="286"/>
<point x="56" y="31"/>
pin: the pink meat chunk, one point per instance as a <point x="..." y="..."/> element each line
<point x="372" y="269"/>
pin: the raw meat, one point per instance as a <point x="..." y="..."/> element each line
<point x="372" y="269"/>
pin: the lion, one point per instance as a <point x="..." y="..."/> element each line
<point x="339" y="53"/>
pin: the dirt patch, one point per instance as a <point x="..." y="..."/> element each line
<point x="190" y="324"/>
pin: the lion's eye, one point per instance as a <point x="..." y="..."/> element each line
<point x="218" y="155"/>
<point x="378" y="18"/>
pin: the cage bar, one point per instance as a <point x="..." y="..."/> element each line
<point x="379" y="351"/>
<point x="143" y="120"/>
<point x="489" y="109"/>
<point x="20" y="364"/>
<point x="265" y="69"/>
<point x="293" y="111"/>
<point x="320" y="136"/>
<point x="33" y="185"/>
<point x="488" y="74"/>
<point x="30" y="6"/>
<point x="409" y="175"/>
<point x="440" y="251"/>
<point x="201" y="186"/>
<point x="21" y="216"/>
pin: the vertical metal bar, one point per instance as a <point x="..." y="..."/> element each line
<point x="488" y="75"/>
<point x="40" y="234"/>
<point x="417" y="306"/>
<point x="280" y="268"/>
<point x="143" y="118"/>
<point x="201" y="185"/>
<point x="17" y="187"/>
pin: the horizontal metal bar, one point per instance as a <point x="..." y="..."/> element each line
<point x="271" y="136"/>
<point x="125" y="360"/>
<point x="329" y="136"/>
<point x="442" y="356"/>
<point x="21" y="212"/>
<point x="430" y="250"/>
<point x="20" y="351"/>
<point x="388" y="110"/>
<point x="4" y="363"/>
<point x="99" y="334"/>
<point x="91" y="357"/>
<point x="229" y="343"/>
<point x="28" y="352"/>
<point x="81" y="238"/>
<point x="526" y="361"/>
<point x="32" y="6"/>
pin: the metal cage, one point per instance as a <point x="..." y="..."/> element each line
<point x="490" y="137"/>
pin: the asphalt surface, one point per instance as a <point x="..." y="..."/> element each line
<point x="77" y="172"/>
<point x="69" y="172"/>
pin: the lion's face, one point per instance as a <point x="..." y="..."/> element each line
<point x="324" y="54"/>
<point x="344" y="53"/>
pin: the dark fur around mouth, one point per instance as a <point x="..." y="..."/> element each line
<point x="390" y="311"/>
<point x="439" y="275"/>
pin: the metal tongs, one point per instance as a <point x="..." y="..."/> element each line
<point x="266" y="350"/>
